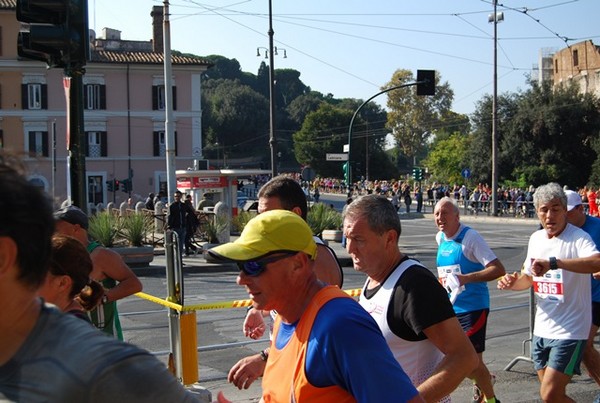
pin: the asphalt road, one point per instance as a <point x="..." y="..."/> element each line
<point x="221" y="342"/>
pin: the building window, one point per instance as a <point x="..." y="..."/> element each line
<point x="158" y="97"/>
<point x="37" y="143"/>
<point x="555" y="66"/>
<point x="94" y="96"/>
<point x="34" y="96"/>
<point x="1" y="139"/>
<point x="160" y="144"/>
<point x="575" y="57"/>
<point x="96" y="144"/>
<point x="95" y="189"/>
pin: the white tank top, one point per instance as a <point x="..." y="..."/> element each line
<point x="419" y="359"/>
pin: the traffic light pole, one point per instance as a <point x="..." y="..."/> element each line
<point x="425" y="86"/>
<point x="76" y="136"/>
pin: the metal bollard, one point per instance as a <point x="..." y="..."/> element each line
<point x="182" y="325"/>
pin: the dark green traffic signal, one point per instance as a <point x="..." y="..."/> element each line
<point x="417" y="173"/>
<point x="57" y="32"/>
<point x="347" y="173"/>
<point x="126" y="185"/>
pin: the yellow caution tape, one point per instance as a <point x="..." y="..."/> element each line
<point x="240" y="303"/>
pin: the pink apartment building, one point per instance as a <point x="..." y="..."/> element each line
<point x="123" y="111"/>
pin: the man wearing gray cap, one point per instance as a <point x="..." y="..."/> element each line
<point x="109" y="269"/>
<point x="591" y="225"/>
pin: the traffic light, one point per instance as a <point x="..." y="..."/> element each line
<point x="58" y="32"/>
<point x="126" y="185"/>
<point x="112" y="185"/>
<point x="347" y="172"/>
<point x="417" y="173"/>
<point x="426" y="79"/>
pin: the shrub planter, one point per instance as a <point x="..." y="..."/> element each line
<point x="136" y="256"/>
<point x="334" y="235"/>
<point x="208" y="258"/>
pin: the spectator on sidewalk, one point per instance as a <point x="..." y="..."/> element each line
<point x="109" y="270"/>
<point x="407" y="301"/>
<point x="560" y="258"/>
<point x="325" y="346"/>
<point x="177" y="219"/>
<point x="464" y="257"/>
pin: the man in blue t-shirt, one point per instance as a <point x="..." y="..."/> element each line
<point x="591" y="225"/>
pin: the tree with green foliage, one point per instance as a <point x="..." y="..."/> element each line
<point x="413" y="118"/>
<point x="324" y="131"/>
<point x="447" y="158"/>
<point x="237" y="117"/>
<point x="479" y="154"/>
<point x="545" y="134"/>
<point x="303" y="105"/>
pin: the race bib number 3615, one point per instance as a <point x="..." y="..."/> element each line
<point x="550" y="286"/>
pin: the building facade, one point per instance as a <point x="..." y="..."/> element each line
<point x="580" y="63"/>
<point x="124" y="112"/>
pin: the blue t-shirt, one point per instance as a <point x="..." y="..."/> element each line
<point x="346" y="348"/>
<point x="592" y="227"/>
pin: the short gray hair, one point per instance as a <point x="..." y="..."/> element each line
<point x="450" y="200"/>
<point x="547" y="192"/>
<point x="380" y="213"/>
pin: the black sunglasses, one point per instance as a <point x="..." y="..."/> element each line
<point x="255" y="268"/>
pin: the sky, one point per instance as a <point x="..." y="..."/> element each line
<point x="351" y="48"/>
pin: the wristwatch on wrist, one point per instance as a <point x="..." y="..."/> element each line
<point x="553" y="264"/>
<point x="264" y="355"/>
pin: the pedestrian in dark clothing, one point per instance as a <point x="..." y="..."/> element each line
<point x="177" y="219"/>
<point x="150" y="202"/>
<point x="191" y="225"/>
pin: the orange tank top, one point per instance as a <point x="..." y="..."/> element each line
<point x="285" y="379"/>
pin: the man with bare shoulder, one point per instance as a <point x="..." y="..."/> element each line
<point x="109" y="269"/>
<point x="406" y="300"/>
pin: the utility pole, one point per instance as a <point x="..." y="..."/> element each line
<point x="58" y="35"/>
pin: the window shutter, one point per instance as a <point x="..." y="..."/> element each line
<point x="103" y="144"/>
<point x="45" y="152"/>
<point x="86" y="88"/>
<point x="155" y="149"/>
<point x="86" y="143"/>
<point x="31" y="143"/>
<point x="44" y="96"/>
<point x="154" y="98"/>
<point x="103" y="96"/>
<point x="24" y="97"/>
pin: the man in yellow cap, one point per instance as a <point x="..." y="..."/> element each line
<point x="325" y="347"/>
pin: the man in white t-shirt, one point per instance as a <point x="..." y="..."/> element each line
<point x="559" y="259"/>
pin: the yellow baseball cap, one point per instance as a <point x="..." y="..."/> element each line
<point x="269" y="232"/>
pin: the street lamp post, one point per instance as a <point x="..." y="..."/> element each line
<point x="494" y="18"/>
<point x="272" y="140"/>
